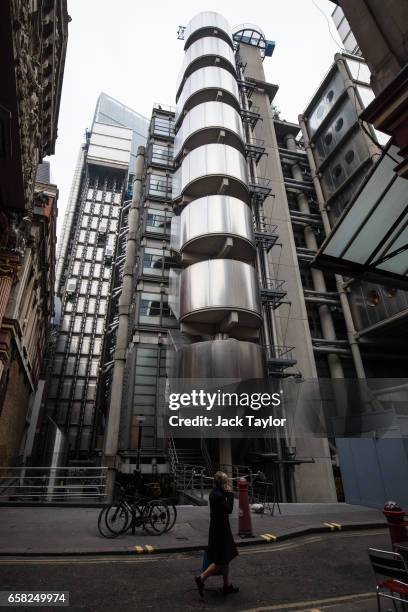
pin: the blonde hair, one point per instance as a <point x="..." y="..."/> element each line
<point x="221" y="478"/>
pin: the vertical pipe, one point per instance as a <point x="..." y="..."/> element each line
<point x="348" y="319"/>
<point x="319" y="283"/>
<point x="112" y="429"/>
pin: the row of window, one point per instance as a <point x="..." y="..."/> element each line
<point x="89" y="271"/>
<point x="99" y="208"/>
<point x="92" y="236"/>
<point x="88" y="252"/>
<point x="70" y="387"/>
<point x="77" y="411"/>
<point x="91" y="287"/>
<point x="74" y="363"/>
<point x="86" y="322"/>
<point x="79" y="344"/>
<point x="95" y="223"/>
<point x="92" y="307"/>
<point x="108" y="196"/>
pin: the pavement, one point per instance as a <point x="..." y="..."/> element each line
<point x="39" y="531"/>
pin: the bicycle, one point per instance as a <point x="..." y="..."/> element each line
<point x="156" y="516"/>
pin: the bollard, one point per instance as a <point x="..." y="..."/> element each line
<point x="244" y="522"/>
<point x="396" y="522"/>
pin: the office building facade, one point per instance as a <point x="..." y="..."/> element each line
<point x="84" y="271"/>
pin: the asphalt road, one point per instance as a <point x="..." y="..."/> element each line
<point x="321" y="572"/>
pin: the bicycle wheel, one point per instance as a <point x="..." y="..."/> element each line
<point x="172" y="516"/>
<point x="157" y="517"/>
<point x="117" y="518"/>
<point x="103" y="530"/>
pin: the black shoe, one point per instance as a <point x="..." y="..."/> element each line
<point x="230" y="589"/>
<point x="200" y="586"/>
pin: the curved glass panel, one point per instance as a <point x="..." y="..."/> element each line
<point x="211" y="161"/>
<point x="202" y="52"/>
<point x="209" y="115"/>
<point x="208" y="81"/>
<point x="207" y="21"/>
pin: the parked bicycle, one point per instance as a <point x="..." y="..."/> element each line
<point x="156" y="516"/>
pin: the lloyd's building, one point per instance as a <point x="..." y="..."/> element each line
<point x="217" y="289"/>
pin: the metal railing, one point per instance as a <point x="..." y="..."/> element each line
<point x="52" y="484"/>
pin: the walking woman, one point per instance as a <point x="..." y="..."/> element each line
<point x="221" y="546"/>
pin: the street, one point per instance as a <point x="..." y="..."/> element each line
<point x="318" y="572"/>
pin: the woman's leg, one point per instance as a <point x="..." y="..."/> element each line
<point x="225" y="576"/>
<point x="211" y="569"/>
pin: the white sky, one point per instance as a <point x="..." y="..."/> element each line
<point x="129" y="50"/>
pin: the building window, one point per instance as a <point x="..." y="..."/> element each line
<point x="158" y="221"/>
<point x="161" y="155"/>
<point x="163" y="126"/>
<point x="154" y="310"/>
<point x="156" y="262"/>
<point x="159" y="186"/>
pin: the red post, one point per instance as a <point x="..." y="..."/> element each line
<point x="244" y="522"/>
<point x="396" y="522"/>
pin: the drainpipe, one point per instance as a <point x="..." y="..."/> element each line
<point x="125" y="302"/>
<point x="348" y="319"/>
<point x="319" y="284"/>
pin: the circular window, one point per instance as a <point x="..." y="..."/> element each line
<point x="337" y="171"/>
<point x="320" y="112"/>
<point x="330" y="96"/>
<point x="339" y="124"/>
<point x="373" y="298"/>
<point x="349" y="156"/>
<point x="328" y="138"/>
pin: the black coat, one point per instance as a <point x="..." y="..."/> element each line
<point x="221" y="546"/>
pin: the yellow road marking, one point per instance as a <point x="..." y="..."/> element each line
<point x="309" y="605"/>
<point x="337" y="525"/>
<point x="149" y="548"/>
<point x="139" y="550"/>
<point x="329" y="525"/>
<point x="269" y="537"/>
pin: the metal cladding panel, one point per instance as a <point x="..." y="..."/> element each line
<point x="209" y="160"/>
<point x="207" y="222"/>
<point x="205" y="116"/>
<point x="221" y="359"/>
<point x="206" y="47"/>
<point x="219" y="286"/>
<point x="350" y="155"/>
<point x="209" y="77"/>
<point x="319" y="111"/>
<point x="207" y="19"/>
<point x="333" y="133"/>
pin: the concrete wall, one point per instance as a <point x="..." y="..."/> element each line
<point x="314" y="482"/>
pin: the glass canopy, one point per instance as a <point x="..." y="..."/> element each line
<point x="370" y="240"/>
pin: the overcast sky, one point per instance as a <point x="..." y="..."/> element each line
<point x="129" y="50"/>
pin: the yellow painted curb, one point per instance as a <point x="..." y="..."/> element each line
<point x="269" y="537"/>
<point x="333" y="526"/>
<point x="149" y="548"/>
<point x="139" y="550"/>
